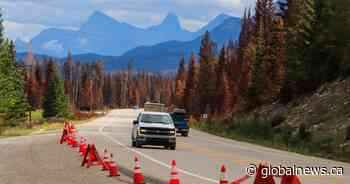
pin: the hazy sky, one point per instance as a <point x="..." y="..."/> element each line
<point x="26" y="18"/>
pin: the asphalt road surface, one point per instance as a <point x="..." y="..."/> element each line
<point x="198" y="156"/>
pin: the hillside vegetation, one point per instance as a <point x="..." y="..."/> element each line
<point x="316" y="124"/>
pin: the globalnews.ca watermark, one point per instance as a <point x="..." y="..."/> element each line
<point x="269" y="170"/>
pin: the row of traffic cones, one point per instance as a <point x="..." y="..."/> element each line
<point x="88" y="151"/>
<point x="90" y="157"/>
<point x="259" y="178"/>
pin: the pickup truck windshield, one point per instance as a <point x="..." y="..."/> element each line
<point x="153" y="118"/>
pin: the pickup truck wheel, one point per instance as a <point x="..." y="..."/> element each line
<point x="185" y="134"/>
<point x="137" y="144"/>
<point x="133" y="144"/>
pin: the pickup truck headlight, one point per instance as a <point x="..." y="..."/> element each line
<point x="172" y="131"/>
<point x="140" y="131"/>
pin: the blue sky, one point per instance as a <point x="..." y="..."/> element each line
<point x="26" y="18"/>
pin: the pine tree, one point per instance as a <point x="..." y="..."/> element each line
<point x="12" y="94"/>
<point x="86" y="90"/>
<point x="256" y="89"/>
<point x="108" y="90"/>
<point x="180" y="84"/>
<point x="277" y="75"/>
<point x="68" y="77"/>
<point x="299" y="19"/>
<point x="55" y="102"/>
<point x="329" y="50"/>
<point x="207" y="77"/>
<point x="191" y="86"/>
<point x="98" y="84"/>
<point x="1" y="29"/>
<point x="241" y="63"/>
<point x="223" y="92"/>
<point x="50" y="71"/>
<point x="32" y="91"/>
<point x="38" y="75"/>
<point x="224" y="96"/>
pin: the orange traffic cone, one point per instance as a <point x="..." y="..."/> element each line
<point x="72" y="128"/>
<point x="105" y="161"/>
<point x="83" y="148"/>
<point x="174" y="174"/>
<point x="223" y="179"/>
<point x="260" y="179"/>
<point x="74" y="142"/>
<point x="64" y="136"/>
<point x="82" y="145"/>
<point x="138" y="176"/>
<point x="286" y="179"/>
<point x="113" y="168"/>
<point x="69" y="139"/>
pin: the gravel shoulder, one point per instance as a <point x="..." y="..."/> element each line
<point x="39" y="159"/>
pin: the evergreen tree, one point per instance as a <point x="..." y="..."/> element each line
<point x="328" y="54"/>
<point x="68" y="77"/>
<point x="207" y="76"/>
<point x="12" y="94"/>
<point x="277" y="74"/>
<point x="180" y="84"/>
<point x="299" y="19"/>
<point x="223" y="93"/>
<point x="242" y="63"/>
<point x="108" y="90"/>
<point x="191" y="86"/>
<point x="55" y="102"/>
<point x="1" y="29"/>
<point x="98" y="84"/>
<point x="256" y="89"/>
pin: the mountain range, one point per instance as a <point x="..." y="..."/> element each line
<point x="155" y="48"/>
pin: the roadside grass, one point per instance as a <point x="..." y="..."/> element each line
<point x="37" y="115"/>
<point x="262" y="133"/>
<point x="40" y="125"/>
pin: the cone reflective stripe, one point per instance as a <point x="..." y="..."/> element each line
<point x="83" y="149"/>
<point x="138" y="176"/>
<point x="82" y="145"/>
<point x="69" y="139"/>
<point x="74" y="142"/>
<point x="71" y="128"/>
<point x="112" y="167"/>
<point x="260" y="179"/>
<point x="105" y="162"/>
<point x="174" y="174"/>
<point x="290" y="180"/>
<point x="64" y="135"/>
<point x="223" y="179"/>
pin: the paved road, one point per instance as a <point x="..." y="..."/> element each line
<point x="39" y="159"/>
<point x="198" y="156"/>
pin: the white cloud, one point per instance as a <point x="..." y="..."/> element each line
<point x="53" y="46"/>
<point x="191" y="24"/>
<point x="25" y="32"/>
<point x="142" y="13"/>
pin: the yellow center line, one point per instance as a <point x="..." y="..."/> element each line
<point x="245" y="161"/>
<point x="237" y="159"/>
